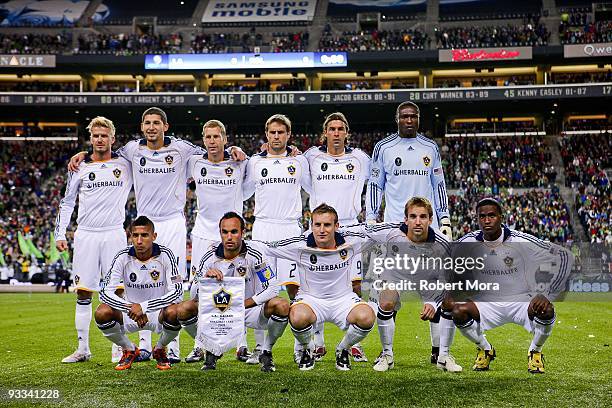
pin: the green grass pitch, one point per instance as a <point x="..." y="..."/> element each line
<point x="38" y="331"/>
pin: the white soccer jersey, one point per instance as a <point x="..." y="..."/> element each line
<point x="338" y="180"/>
<point x="154" y="283"/>
<point x="160" y="176"/>
<point x="402" y="168"/>
<point x="218" y="189"/>
<point x="102" y="188"/>
<point x="513" y="261"/>
<point x="261" y="281"/>
<point x="324" y="273"/>
<point x="276" y="182"/>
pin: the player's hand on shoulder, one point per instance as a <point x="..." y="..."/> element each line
<point x="214" y="273"/>
<point x="294" y="151"/>
<point x="76" y="160"/>
<point x="237" y="153"/>
<point x="446" y="228"/>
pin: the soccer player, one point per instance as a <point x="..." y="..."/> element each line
<point x="511" y="258"/>
<point x="218" y="180"/>
<point x="276" y="178"/>
<point x="234" y="256"/>
<point x="406" y="164"/>
<point x="338" y="173"/>
<point x="102" y="185"/>
<point x="152" y="285"/>
<point x="418" y="238"/>
<point x="326" y="292"/>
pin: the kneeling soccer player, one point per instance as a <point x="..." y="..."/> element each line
<point x="265" y="310"/>
<point x="513" y="258"/>
<point x="152" y="284"/>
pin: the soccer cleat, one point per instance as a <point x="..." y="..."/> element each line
<point x="435" y="352"/>
<point x="384" y="362"/>
<point x="163" y="362"/>
<point x="266" y="361"/>
<point x="447" y="363"/>
<point x="254" y="358"/>
<point x="358" y="354"/>
<point x="343" y="363"/>
<point x="297" y="356"/>
<point x="127" y="359"/>
<point x="307" y="361"/>
<point x="172" y="357"/>
<point x="483" y="359"/>
<point x="145" y="355"/>
<point x="210" y="362"/>
<point x="77" y="357"/>
<point x="318" y="353"/>
<point x="116" y="353"/>
<point x="242" y="354"/>
<point x="197" y="354"/>
<point x="536" y="362"/>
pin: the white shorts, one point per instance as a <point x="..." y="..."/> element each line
<point x="255" y="318"/>
<point x="286" y="270"/>
<point x="494" y="314"/>
<point x="94" y="252"/>
<point x="153" y="324"/>
<point x="330" y="310"/>
<point x="172" y="233"/>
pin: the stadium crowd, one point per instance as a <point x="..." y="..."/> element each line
<point x="529" y="34"/>
<point x="375" y="40"/>
<point x="35" y="43"/>
<point x="129" y="44"/>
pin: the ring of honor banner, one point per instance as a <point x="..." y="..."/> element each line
<point x="221" y="314"/>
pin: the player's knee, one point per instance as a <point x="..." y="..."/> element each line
<point x="83" y="294"/>
<point x="460" y="313"/>
<point x="548" y="313"/>
<point x="388" y="305"/>
<point x="363" y="316"/>
<point x="186" y="310"/>
<point x="280" y="306"/>
<point x="170" y="314"/>
<point x="300" y="316"/>
<point x="104" y="313"/>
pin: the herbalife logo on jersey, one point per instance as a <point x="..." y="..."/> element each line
<point x="222" y="299"/>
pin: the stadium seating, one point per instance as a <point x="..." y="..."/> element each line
<point x="529" y="34"/>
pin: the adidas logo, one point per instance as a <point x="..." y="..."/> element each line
<point x="103" y="166"/>
<point x="277" y="162"/>
<point x="410" y="148"/>
<point x="143" y="267"/>
<point x="155" y="154"/>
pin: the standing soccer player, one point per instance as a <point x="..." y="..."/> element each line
<point x="406" y="164"/>
<point x="511" y="259"/>
<point x="338" y="173"/>
<point x="277" y="179"/>
<point x="152" y="285"/>
<point x="102" y="185"/>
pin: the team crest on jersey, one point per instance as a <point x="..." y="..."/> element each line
<point x="92" y="176"/>
<point x="169" y="159"/>
<point x="229" y="171"/>
<point x="203" y="172"/>
<point x="264" y="172"/>
<point x="77" y="278"/>
<point x="426" y="161"/>
<point x="508" y="261"/>
<point x="343" y="254"/>
<point x="313" y="259"/>
<point x="394" y="249"/>
<point x="350" y="167"/>
<point x="398" y="161"/>
<point x="222" y="299"/>
<point x="375" y="172"/>
<point x="291" y="169"/>
<point x="155" y="274"/>
<point x="143" y="161"/>
<point x="241" y="270"/>
<point x="194" y="270"/>
<point x="117" y="173"/>
<point x="324" y="167"/>
<point x="133" y="277"/>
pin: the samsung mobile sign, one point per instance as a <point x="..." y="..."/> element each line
<point x="587" y="50"/>
<point x="485" y="54"/>
<point x="223" y="11"/>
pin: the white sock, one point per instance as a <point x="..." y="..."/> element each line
<point x="447" y="334"/>
<point x="303" y="336"/>
<point x="542" y="329"/>
<point x="319" y="334"/>
<point x="260" y="337"/>
<point x="82" y="320"/>
<point x="174" y="346"/>
<point x="115" y="333"/>
<point x="353" y="335"/>
<point x="434" y="334"/>
<point x="144" y="342"/>
<point x="190" y="326"/>
<point x="169" y="333"/>
<point x="276" y="327"/>
<point x="386" y="329"/>
<point x="471" y="330"/>
<point x="243" y="340"/>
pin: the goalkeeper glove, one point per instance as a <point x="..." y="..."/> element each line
<point x="445" y="228"/>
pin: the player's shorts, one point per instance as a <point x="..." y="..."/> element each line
<point x="255" y="318"/>
<point x="494" y="314"/>
<point x="94" y="252"/>
<point x="265" y="230"/>
<point x="153" y="324"/>
<point x="335" y="310"/>
<point x="172" y="233"/>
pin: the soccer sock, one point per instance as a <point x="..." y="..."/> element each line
<point x="542" y="329"/>
<point x="115" y="333"/>
<point x="190" y="326"/>
<point x="303" y="336"/>
<point x="319" y="334"/>
<point x="174" y="346"/>
<point x="243" y="340"/>
<point x="353" y="335"/>
<point x="168" y="333"/>
<point x="386" y="329"/>
<point x="260" y="336"/>
<point x="434" y="334"/>
<point x="82" y="320"/>
<point x="144" y="340"/>
<point x="447" y="333"/>
<point x="276" y="327"/>
<point x="471" y="330"/>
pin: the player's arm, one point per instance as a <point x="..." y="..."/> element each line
<point x="289" y="248"/>
<point x="376" y="186"/>
<point x="66" y="207"/>
<point x="248" y="185"/>
<point x="305" y="177"/>
<point x="560" y="260"/>
<point x="269" y="281"/>
<point x="113" y="281"/>
<point x="440" y="195"/>
<point x="174" y="284"/>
